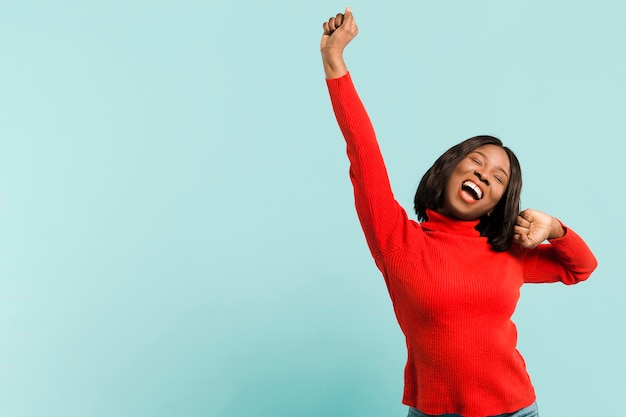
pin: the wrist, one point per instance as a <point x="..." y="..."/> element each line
<point x="557" y="229"/>
<point x="332" y="56"/>
<point x="334" y="65"/>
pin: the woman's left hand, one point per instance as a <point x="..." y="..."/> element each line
<point x="533" y="227"/>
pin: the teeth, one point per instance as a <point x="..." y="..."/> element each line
<point x="476" y="188"/>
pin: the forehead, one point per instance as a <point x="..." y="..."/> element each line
<point x="495" y="155"/>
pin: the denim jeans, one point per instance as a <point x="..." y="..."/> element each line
<point x="530" y="411"/>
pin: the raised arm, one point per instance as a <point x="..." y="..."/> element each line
<point x="384" y="222"/>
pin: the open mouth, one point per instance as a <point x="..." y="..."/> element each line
<point x="473" y="189"/>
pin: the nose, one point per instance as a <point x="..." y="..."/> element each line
<point x="481" y="177"/>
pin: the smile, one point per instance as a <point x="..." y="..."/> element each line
<point x="473" y="189"/>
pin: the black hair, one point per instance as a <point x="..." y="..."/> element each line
<point x="498" y="225"/>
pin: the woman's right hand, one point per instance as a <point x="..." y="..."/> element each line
<point x="338" y="32"/>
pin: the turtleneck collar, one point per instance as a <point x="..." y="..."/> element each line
<point x="440" y="223"/>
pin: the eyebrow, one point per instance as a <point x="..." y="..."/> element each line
<point x="498" y="167"/>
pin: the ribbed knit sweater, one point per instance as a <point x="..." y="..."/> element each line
<point x="453" y="296"/>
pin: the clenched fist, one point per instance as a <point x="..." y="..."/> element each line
<point x="338" y="32"/>
<point x="533" y="227"/>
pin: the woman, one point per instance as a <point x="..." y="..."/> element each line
<point x="454" y="278"/>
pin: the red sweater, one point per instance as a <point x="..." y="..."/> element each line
<point x="452" y="294"/>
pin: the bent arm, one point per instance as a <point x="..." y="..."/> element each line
<point x="567" y="259"/>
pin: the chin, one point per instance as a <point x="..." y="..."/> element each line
<point x="459" y="214"/>
<point x="469" y="218"/>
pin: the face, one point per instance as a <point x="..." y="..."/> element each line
<point x="477" y="183"/>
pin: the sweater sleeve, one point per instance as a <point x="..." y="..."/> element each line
<point x="568" y="260"/>
<point x="384" y="222"/>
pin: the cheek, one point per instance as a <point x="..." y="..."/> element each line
<point x="449" y="189"/>
<point x="498" y="195"/>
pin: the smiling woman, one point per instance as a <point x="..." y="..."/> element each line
<point x="454" y="278"/>
<point x="483" y="180"/>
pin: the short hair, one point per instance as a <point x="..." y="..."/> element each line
<point x="498" y="225"/>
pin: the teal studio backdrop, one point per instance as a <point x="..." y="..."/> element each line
<point x="178" y="236"/>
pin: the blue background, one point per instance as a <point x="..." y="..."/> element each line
<point x="178" y="236"/>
